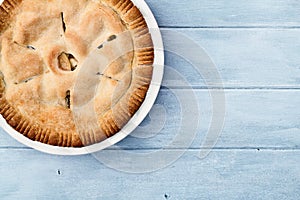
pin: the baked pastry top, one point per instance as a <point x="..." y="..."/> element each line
<point x="72" y="72"/>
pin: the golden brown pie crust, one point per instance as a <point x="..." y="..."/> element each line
<point x="35" y="107"/>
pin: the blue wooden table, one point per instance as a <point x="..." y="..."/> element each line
<point x="255" y="45"/>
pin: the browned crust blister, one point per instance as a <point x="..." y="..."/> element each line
<point x="114" y="119"/>
<point x="6" y="11"/>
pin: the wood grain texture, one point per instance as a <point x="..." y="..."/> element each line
<point x="244" y="58"/>
<point x="234" y="174"/>
<point x="220" y="13"/>
<point x="254" y="119"/>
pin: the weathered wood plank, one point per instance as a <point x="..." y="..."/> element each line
<point x="254" y="119"/>
<point x="220" y="13"/>
<point x="235" y="174"/>
<point x="199" y="13"/>
<point x="244" y="58"/>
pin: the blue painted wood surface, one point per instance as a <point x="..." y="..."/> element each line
<point x="224" y="13"/>
<point x="224" y="174"/>
<point x="255" y="46"/>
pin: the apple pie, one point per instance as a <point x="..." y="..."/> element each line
<point x="72" y="72"/>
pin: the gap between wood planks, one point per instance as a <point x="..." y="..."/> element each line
<point x="231" y="27"/>
<point x="254" y="88"/>
<point x="180" y="149"/>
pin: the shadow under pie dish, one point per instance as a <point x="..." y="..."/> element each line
<point x="49" y="92"/>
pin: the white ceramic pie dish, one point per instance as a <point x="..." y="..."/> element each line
<point x="158" y="69"/>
